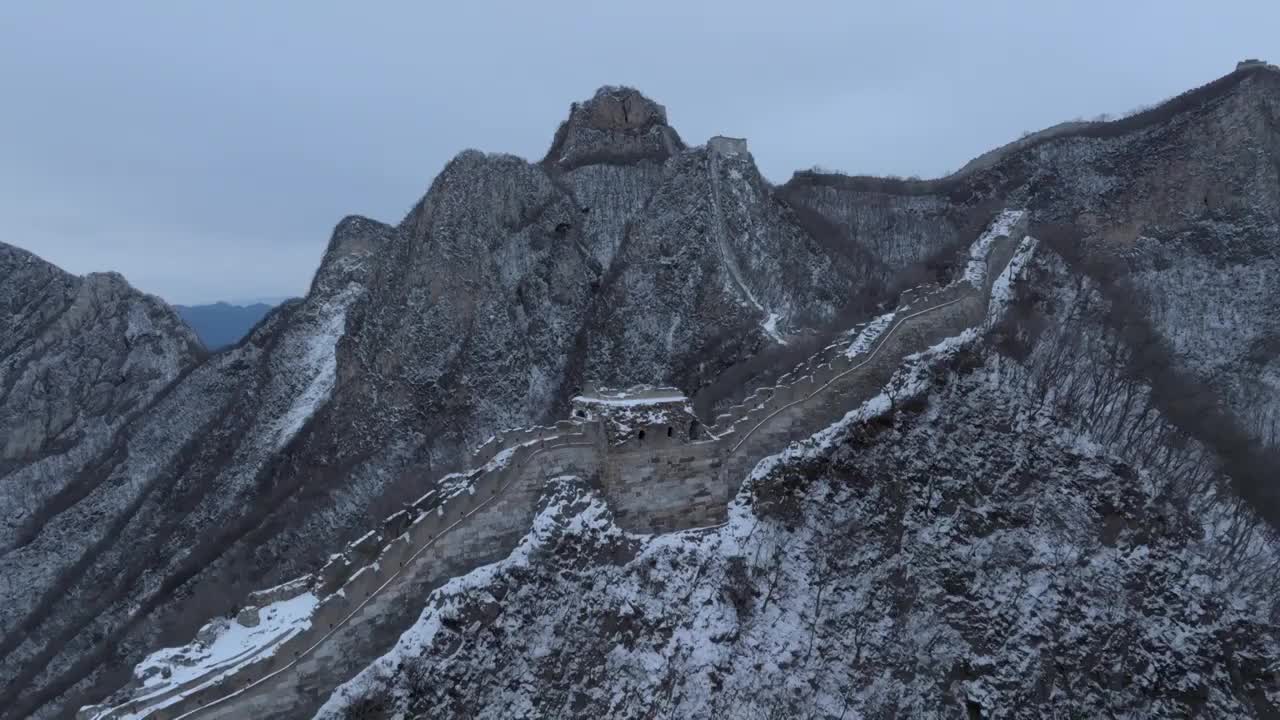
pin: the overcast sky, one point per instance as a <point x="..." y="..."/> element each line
<point x="206" y="150"/>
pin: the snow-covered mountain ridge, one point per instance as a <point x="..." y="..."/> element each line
<point x="623" y="257"/>
<point x="420" y="547"/>
<point x="965" y="555"/>
<point x="965" y="543"/>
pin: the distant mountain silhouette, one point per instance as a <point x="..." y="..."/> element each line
<point x="222" y="324"/>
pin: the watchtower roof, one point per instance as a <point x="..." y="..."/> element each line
<point x="637" y="396"/>
<point x="639" y="412"/>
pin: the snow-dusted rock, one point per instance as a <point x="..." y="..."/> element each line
<point x="137" y="512"/>
<point x="79" y="357"/>
<point x="967" y="550"/>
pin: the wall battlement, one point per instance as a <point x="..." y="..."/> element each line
<point x="663" y="473"/>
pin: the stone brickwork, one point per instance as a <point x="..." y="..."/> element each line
<point x="372" y="591"/>
<point x="660" y="486"/>
<point x="727" y="146"/>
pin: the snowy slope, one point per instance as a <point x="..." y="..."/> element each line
<point x="969" y="551"/>
<point x="220" y="649"/>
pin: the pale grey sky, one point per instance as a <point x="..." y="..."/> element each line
<point x="206" y="150"/>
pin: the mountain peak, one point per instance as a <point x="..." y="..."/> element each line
<point x="354" y="239"/>
<point x="615" y="107"/>
<point x="617" y="125"/>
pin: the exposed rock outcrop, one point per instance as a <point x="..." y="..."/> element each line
<point x="79" y="357"/>
<point x="617" y="125"/>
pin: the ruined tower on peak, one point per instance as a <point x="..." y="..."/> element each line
<point x="728" y="146"/>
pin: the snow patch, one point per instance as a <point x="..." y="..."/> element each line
<point x="770" y="326"/>
<point x="1002" y="288"/>
<point x="671" y="332"/>
<point x="631" y="401"/>
<point x="319" y="364"/>
<point x="221" y="647"/>
<point x="867" y="337"/>
<point x="976" y="271"/>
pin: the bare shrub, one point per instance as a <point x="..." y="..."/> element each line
<point x="737" y="587"/>
<point x="1141" y="357"/>
<point x="371" y="705"/>
<point x="780" y="495"/>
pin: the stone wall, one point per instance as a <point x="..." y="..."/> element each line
<point x="835" y="388"/>
<point x="379" y="584"/>
<point x="377" y="587"/>
<point x="657" y="487"/>
<point x="660" y="484"/>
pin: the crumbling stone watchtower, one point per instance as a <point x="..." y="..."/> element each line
<point x="658" y="458"/>
<point x="641" y="416"/>
<point x="727" y="146"/>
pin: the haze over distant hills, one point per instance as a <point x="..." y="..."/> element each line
<point x="221" y="324"/>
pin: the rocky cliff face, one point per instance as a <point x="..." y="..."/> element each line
<point x="174" y="490"/>
<point x="625" y="256"/>
<point x="79" y="357"/>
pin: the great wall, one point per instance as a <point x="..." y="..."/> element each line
<point x="663" y="472"/>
